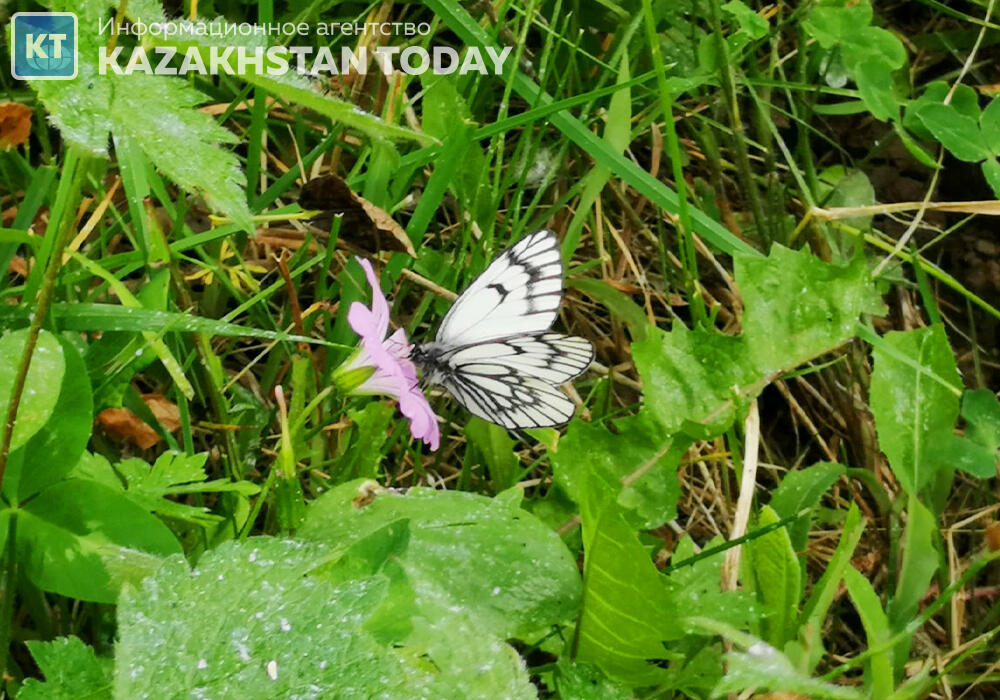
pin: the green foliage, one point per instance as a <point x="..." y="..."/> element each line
<point x="71" y="669"/>
<point x="464" y="551"/>
<point x="777" y="578"/>
<point x="667" y="159"/>
<point x="270" y="600"/>
<point x="869" y="54"/>
<point x="39" y="401"/>
<point x="968" y="133"/>
<point x="915" y="401"/>
<point x="81" y="539"/>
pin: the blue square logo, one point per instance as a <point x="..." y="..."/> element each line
<point x="43" y="45"/>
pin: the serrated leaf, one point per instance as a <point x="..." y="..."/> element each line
<point x="174" y="473"/>
<point x="497" y="562"/>
<point x="913" y="412"/>
<point x="798" y="307"/>
<point x="691" y="378"/>
<point x="635" y="466"/>
<point x="42" y="384"/>
<point x="72" y="671"/>
<point x="155" y="112"/>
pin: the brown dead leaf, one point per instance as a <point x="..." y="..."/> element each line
<point x="124" y="426"/>
<point x="165" y="411"/>
<point x="15" y="124"/>
<point x="330" y="195"/>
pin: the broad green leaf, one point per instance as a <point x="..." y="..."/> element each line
<point x="989" y="123"/>
<point x="691" y="379"/>
<point x="964" y="99"/>
<point x="914" y="413"/>
<point x="957" y="132"/>
<point x="81" y="539"/>
<point x="619" y="304"/>
<point x="626" y="611"/>
<point x="874" y="79"/>
<point x="777" y="578"/>
<point x="497" y="562"/>
<point x="636" y="466"/>
<point x="51" y="453"/>
<point x="496" y="446"/>
<point x="800" y="489"/>
<point x="363" y="458"/>
<point x="920" y="561"/>
<point x="72" y="671"/>
<point x="41" y="387"/>
<point x="280" y="628"/>
<point x="798" y="307"/>
<point x="762" y="667"/>
<point x="877" y="631"/>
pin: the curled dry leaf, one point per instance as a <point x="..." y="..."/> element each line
<point x="330" y="195"/>
<point x="15" y="124"/>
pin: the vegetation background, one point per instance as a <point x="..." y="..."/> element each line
<point x="777" y="222"/>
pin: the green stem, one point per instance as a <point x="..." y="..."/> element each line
<point x="59" y="226"/>
<point x="736" y="124"/>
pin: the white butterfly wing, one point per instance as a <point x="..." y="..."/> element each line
<point x="519" y="293"/>
<point x="514" y="382"/>
<point x="551" y="357"/>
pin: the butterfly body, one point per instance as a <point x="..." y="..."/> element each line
<point x="494" y="352"/>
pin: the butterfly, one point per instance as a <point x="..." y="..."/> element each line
<point x="494" y="351"/>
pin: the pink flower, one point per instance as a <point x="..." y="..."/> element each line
<point x="385" y="364"/>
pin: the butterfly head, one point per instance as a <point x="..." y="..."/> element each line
<point x="427" y="357"/>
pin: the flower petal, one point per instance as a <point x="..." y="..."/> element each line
<point x="380" y="307"/>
